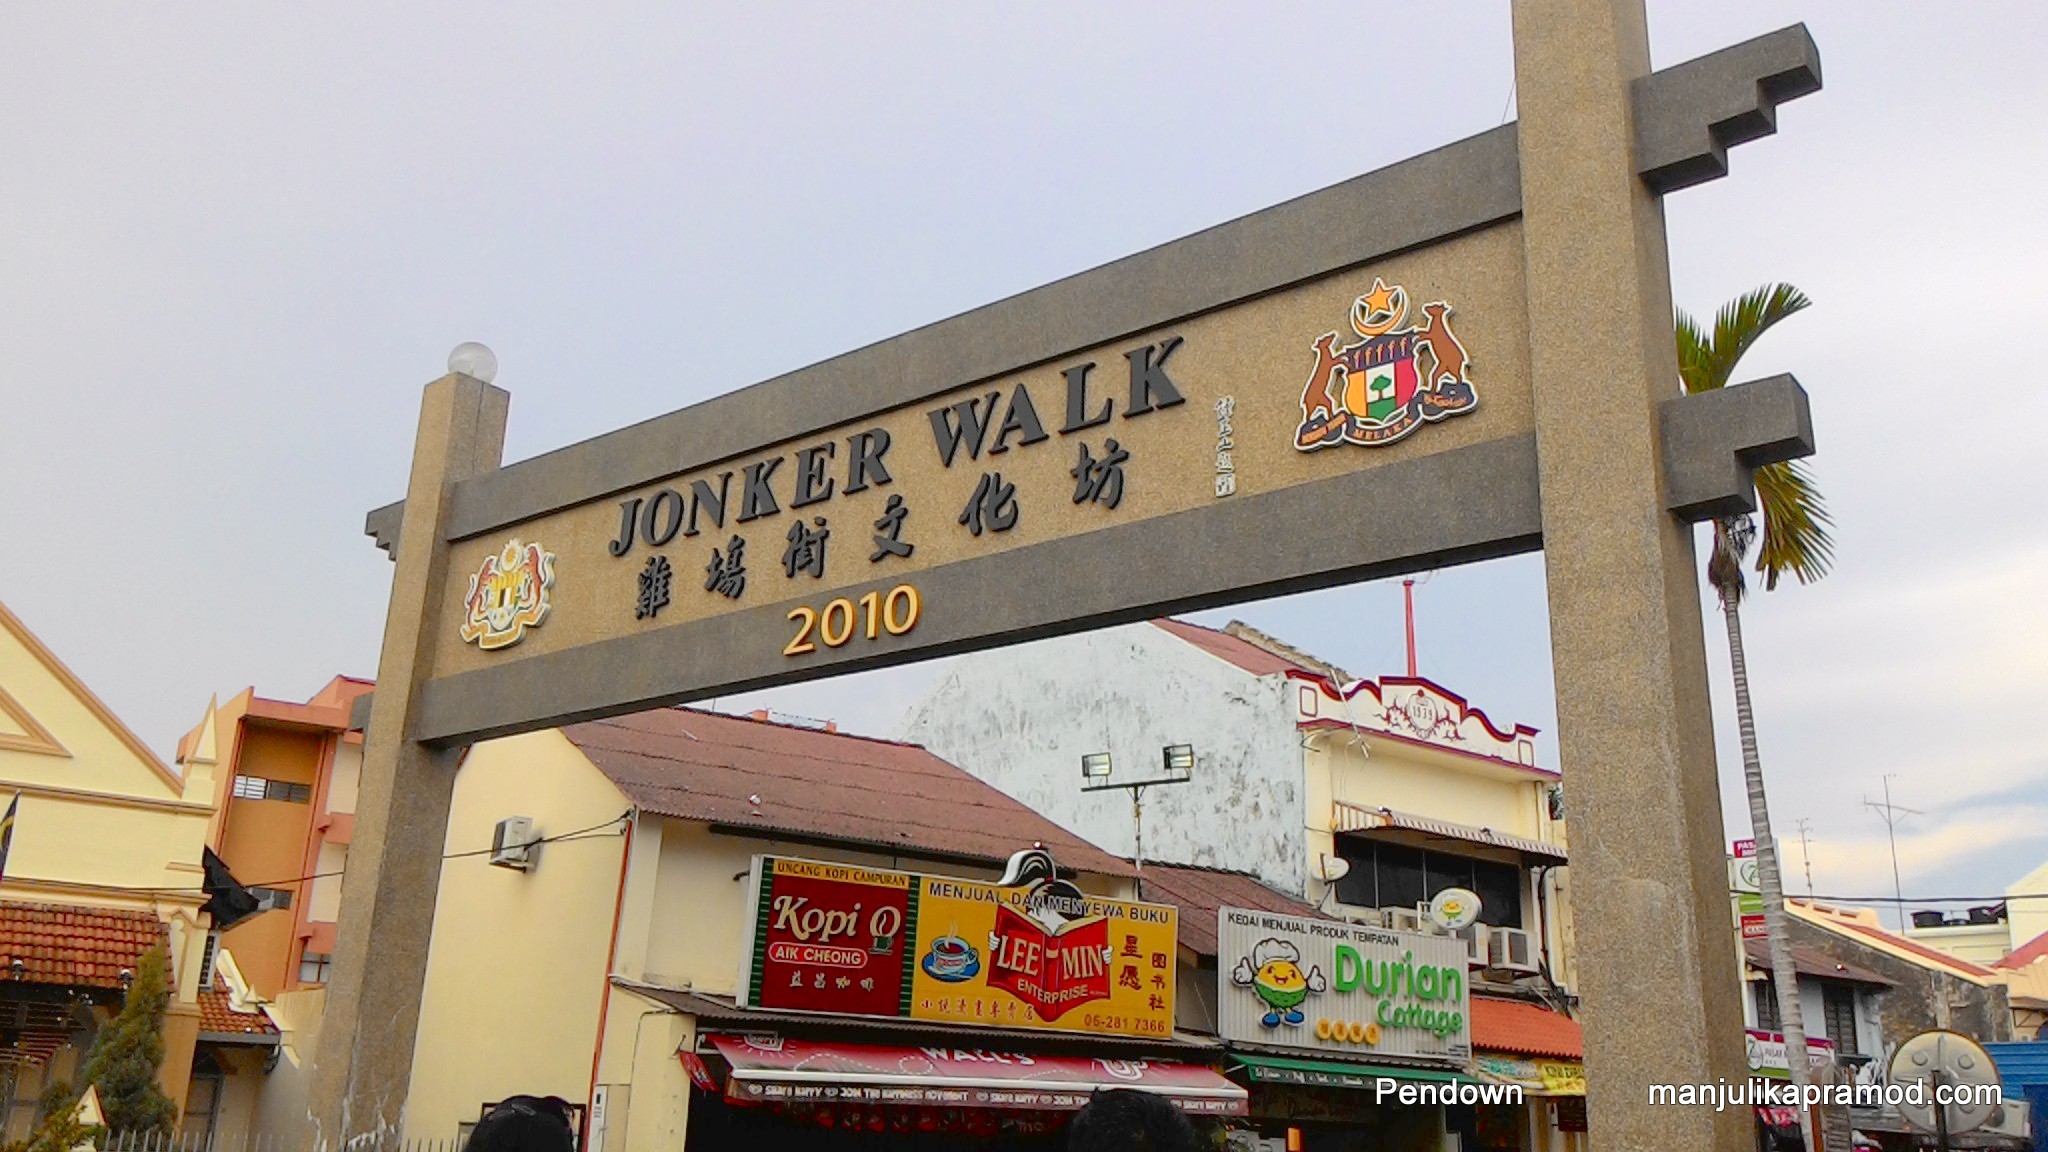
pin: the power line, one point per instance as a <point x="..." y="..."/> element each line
<point x="578" y="834"/>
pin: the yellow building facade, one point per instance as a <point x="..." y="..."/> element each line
<point x="105" y="830"/>
<point x="597" y="972"/>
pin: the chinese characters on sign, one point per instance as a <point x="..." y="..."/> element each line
<point x="1226" y="443"/>
<point x="965" y="952"/>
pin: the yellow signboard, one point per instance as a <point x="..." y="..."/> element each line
<point x="1042" y="956"/>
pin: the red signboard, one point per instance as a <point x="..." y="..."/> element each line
<point x="1052" y="971"/>
<point x="830" y="938"/>
<point x="771" y="1069"/>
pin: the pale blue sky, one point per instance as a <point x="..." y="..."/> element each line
<point x="238" y="239"/>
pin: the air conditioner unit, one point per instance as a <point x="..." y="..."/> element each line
<point x="1478" y="940"/>
<point x="1403" y="919"/>
<point x="513" y="843"/>
<point x="1364" y="917"/>
<point x="1513" y="950"/>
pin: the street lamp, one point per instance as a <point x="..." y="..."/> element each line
<point x="1178" y="764"/>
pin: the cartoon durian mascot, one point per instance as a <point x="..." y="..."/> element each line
<point x="1273" y="973"/>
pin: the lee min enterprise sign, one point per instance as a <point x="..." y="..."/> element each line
<point x="1342" y="989"/>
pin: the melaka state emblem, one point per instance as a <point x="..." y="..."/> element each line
<point x="1391" y="382"/>
<point x="508" y="595"/>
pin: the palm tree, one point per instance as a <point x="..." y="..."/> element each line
<point x="1795" y="541"/>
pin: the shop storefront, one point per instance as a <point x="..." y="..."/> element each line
<point x="880" y="1008"/>
<point x="837" y="1094"/>
<point x="1540" y="1051"/>
<point x="1346" y="1037"/>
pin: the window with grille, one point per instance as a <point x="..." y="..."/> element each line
<point x="1838" y="1008"/>
<point x="313" y="967"/>
<point x="1767" y="1006"/>
<point x="267" y="898"/>
<point x="206" y="960"/>
<point x="259" y="788"/>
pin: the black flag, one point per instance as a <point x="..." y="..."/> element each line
<point x="226" y="900"/>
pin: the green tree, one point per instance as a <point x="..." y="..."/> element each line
<point x="1795" y="541"/>
<point x="58" y="1128"/>
<point x="124" y="1061"/>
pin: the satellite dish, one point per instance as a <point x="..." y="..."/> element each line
<point x="1945" y="1058"/>
<point x="1330" y="869"/>
<point x="1454" y="908"/>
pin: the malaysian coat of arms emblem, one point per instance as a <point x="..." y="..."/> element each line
<point x="507" y="595"/>
<point x="1398" y="376"/>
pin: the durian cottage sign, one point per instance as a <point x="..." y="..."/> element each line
<point x="1343" y="989"/>
<point x="1463" y="355"/>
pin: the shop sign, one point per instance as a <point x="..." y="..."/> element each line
<point x="1537" y="1077"/>
<point x="1036" y="954"/>
<point x="774" y="1069"/>
<point x="1767" y="1053"/>
<point x="1343" y="989"/>
<point x="1743" y="880"/>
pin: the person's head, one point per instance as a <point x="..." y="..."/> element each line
<point x="1121" y="1120"/>
<point x="525" y="1124"/>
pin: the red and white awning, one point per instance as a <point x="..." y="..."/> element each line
<point x="770" y="1069"/>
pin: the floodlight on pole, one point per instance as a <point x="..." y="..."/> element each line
<point x="1178" y="765"/>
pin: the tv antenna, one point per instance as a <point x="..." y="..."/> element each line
<point x="1805" y="853"/>
<point x="1891" y="814"/>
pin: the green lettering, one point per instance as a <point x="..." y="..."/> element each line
<point x="1384" y="984"/>
<point x="1425" y="984"/>
<point x="1452" y="984"/>
<point x="1348" y="968"/>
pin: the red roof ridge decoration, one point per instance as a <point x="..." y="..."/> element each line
<point x="1525" y="1028"/>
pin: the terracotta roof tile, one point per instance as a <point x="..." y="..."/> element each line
<point x="898" y="798"/>
<point x="1521" y="1027"/>
<point x="1199" y="892"/>
<point x="1223" y="646"/>
<point x="217" y="1015"/>
<point x="75" y="946"/>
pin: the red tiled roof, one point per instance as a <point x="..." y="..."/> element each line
<point x="1223" y="646"/>
<point x="218" y="1017"/>
<point x="1199" y="892"/>
<point x="2025" y="954"/>
<point x="1521" y="1027"/>
<point x="75" y="946"/>
<point x="741" y="772"/>
<point x="1812" y="962"/>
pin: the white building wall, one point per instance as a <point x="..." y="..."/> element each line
<point x="1023" y="717"/>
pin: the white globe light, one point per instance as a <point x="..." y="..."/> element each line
<point x="474" y="360"/>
